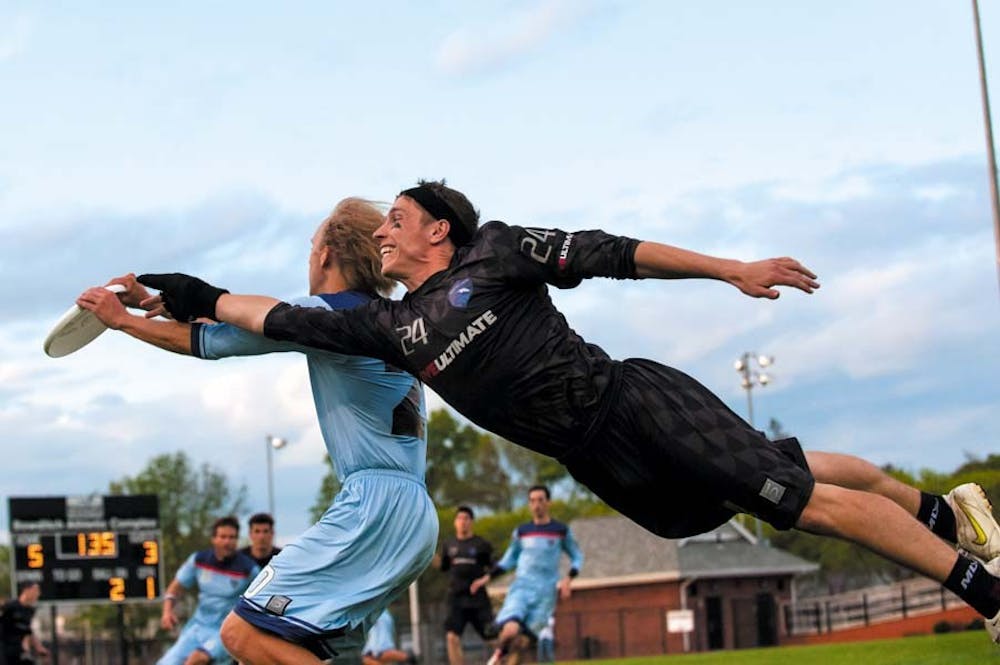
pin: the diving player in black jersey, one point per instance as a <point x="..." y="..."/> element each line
<point x="477" y="325"/>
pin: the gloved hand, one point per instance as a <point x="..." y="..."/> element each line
<point x="186" y="298"/>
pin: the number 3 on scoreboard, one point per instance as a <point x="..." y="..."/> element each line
<point x="152" y="552"/>
<point x="117" y="590"/>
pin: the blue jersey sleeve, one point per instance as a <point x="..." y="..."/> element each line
<point x="572" y="550"/>
<point x="509" y="559"/>
<point x="187" y="575"/>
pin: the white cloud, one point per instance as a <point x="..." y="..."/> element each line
<point x="14" y="37"/>
<point x="486" y="46"/>
<point x="837" y="190"/>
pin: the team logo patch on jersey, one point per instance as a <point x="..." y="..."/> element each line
<point x="772" y="491"/>
<point x="277" y="604"/>
<point x="460" y="292"/>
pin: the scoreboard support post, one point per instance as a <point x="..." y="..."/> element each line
<point x="122" y="642"/>
<point x="54" y="651"/>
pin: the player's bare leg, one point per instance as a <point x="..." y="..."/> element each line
<point x="517" y="648"/>
<point x="454" y="648"/>
<point x="857" y="474"/>
<point x="972" y="524"/>
<point x="251" y="646"/>
<point x="505" y="640"/>
<point x="198" y="657"/>
<point x="879" y="524"/>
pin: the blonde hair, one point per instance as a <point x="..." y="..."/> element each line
<point x="347" y="231"/>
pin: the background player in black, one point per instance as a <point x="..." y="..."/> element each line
<point x="261" y="533"/>
<point x="15" y="625"/>
<point x="465" y="558"/>
<point x="477" y="325"/>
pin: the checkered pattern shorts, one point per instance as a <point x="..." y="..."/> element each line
<point x="676" y="460"/>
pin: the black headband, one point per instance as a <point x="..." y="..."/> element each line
<point x="438" y="209"/>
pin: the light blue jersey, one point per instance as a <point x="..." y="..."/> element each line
<point x="534" y="553"/>
<point x="220" y="583"/>
<point x="324" y="589"/>
<point x="372" y="416"/>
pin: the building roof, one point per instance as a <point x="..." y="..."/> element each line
<point x="617" y="551"/>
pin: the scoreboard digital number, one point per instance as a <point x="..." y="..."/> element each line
<point x="89" y="548"/>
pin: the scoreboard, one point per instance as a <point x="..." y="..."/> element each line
<point x="88" y="548"/>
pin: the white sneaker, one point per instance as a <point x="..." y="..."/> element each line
<point x="978" y="531"/>
<point x="993" y="625"/>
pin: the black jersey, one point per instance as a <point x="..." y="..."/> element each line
<point x="484" y="333"/>
<point x="264" y="560"/>
<point x="465" y="560"/>
<point x="15" y="624"/>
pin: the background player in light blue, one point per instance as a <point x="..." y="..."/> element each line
<point x="317" y="596"/>
<point x="380" y="647"/>
<point x="534" y="553"/>
<point x="220" y="574"/>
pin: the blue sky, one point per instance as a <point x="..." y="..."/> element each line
<point x="212" y="138"/>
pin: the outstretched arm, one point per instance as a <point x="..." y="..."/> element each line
<point x="756" y="278"/>
<point x="247" y="312"/>
<point x="188" y="298"/>
<point x="106" y="306"/>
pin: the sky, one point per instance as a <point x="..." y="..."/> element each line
<point x="211" y="138"/>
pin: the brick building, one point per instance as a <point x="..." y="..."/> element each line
<point x="632" y="582"/>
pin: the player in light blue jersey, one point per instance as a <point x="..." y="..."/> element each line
<point x="535" y="550"/>
<point x="316" y="599"/>
<point x="220" y="574"/>
<point x="380" y="648"/>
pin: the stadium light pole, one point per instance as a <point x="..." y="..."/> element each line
<point x="988" y="122"/>
<point x="273" y="443"/>
<point x="750" y="377"/>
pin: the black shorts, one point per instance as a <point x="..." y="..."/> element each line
<point x="676" y="460"/>
<point x="480" y="616"/>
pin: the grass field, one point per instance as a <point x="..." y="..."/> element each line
<point x="966" y="648"/>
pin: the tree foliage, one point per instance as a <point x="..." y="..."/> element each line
<point x="328" y="489"/>
<point x="5" y="590"/>
<point x="191" y="498"/>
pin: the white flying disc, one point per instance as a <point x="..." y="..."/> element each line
<point x="76" y="329"/>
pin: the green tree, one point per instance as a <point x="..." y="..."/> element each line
<point x="328" y="489"/>
<point x="464" y="465"/>
<point x="5" y="590"/>
<point x="191" y="498"/>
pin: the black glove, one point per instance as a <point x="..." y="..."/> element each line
<point x="186" y="298"/>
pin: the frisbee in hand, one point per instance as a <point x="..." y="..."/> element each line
<point x="76" y="329"/>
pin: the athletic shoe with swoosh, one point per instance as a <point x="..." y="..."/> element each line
<point x="978" y="531"/>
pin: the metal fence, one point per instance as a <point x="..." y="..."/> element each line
<point x="826" y="614"/>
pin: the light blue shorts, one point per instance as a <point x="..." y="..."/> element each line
<point x="369" y="546"/>
<point x="193" y="637"/>
<point x="531" y="604"/>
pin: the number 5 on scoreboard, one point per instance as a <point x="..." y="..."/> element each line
<point x="35" y="557"/>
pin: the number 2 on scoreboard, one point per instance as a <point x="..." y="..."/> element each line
<point x="117" y="590"/>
